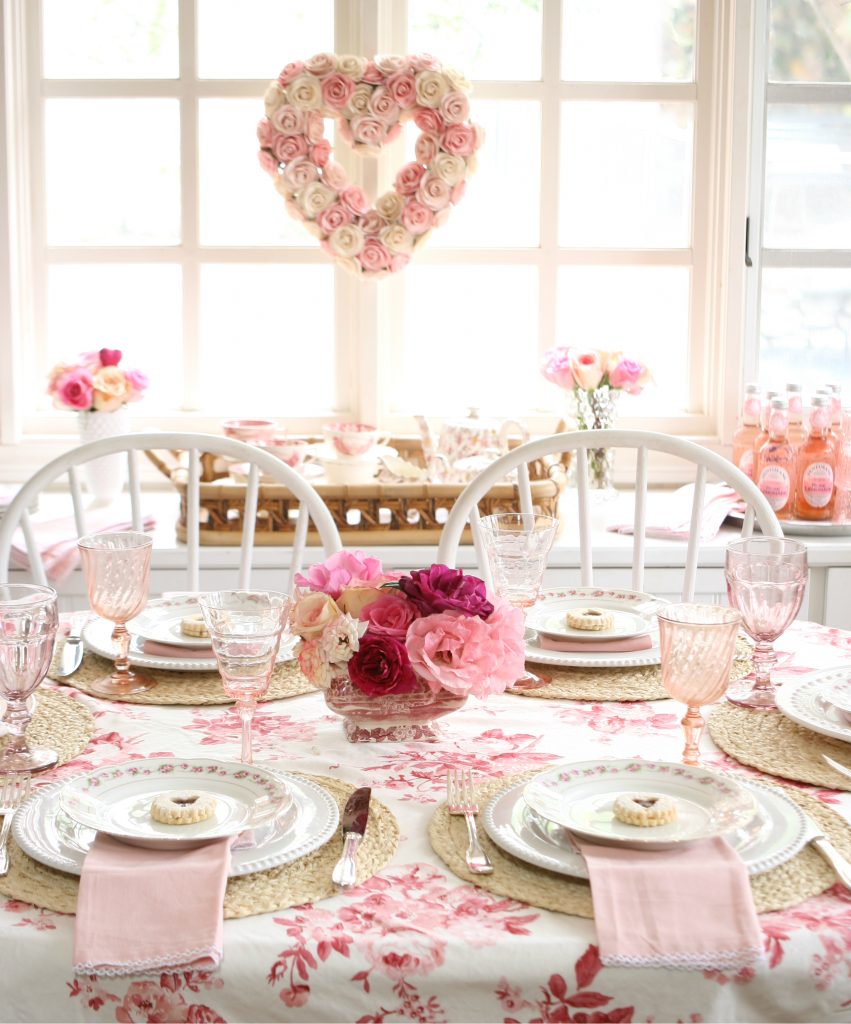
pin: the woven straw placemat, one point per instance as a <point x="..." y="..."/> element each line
<point x="643" y="683"/>
<point x="184" y="687"/>
<point x="59" y="723"/>
<point x="303" y="881"/>
<point x="771" y="742"/>
<point x="805" y="875"/>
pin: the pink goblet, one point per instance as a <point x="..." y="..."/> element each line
<point x="766" y="579"/>
<point x="117" y="567"/>
<point x="697" y="643"/>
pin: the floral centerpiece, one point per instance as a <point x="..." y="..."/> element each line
<point x="595" y="378"/>
<point x="395" y="651"/>
<point x="95" y="383"/>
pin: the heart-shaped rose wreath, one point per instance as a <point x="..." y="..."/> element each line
<point x="370" y="99"/>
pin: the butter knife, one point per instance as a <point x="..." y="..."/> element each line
<point x="70" y="656"/>
<point x="355" y="815"/>
<point x="815" y="835"/>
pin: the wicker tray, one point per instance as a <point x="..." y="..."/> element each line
<point x="373" y="513"/>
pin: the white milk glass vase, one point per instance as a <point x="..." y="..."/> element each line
<point x="104" y="478"/>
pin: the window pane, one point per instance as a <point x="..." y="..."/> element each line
<point x="511" y="153"/>
<point x="487" y="39"/>
<point x="113" y="172"/>
<point x="238" y="201"/>
<point x="119" y="39"/>
<point x="653" y="41"/>
<point x="808" y="176"/>
<point x="809" y="42"/>
<point x="626" y="174"/>
<point x="267" y="339"/>
<point x="256" y="38"/>
<point x="805" y="328"/>
<point x="471" y="338"/>
<point x="135" y="308"/>
<point x="642" y="311"/>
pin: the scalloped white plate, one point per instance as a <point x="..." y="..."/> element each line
<point x="805" y="702"/>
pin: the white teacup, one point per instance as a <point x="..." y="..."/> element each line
<point x="290" y="450"/>
<point x="351" y="440"/>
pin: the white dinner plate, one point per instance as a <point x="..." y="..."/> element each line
<point x="774" y="835"/>
<point x="117" y="799"/>
<point x="44" y="831"/>
<point x="161" y="618"/>
<point x="634" y="613"/>
<point x="805" y="702"/>
<point x="802" y="527"/>
<point x="580" y="798"/>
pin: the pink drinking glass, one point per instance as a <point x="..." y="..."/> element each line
<point x="766" y="579"/>
<point x="28" y="624"/>
<point x="245" y="629"/>
<point x="117" y="567"/>
<point x="697" y="642"/>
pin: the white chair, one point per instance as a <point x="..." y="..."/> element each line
<point x="579" y="442"/>
<point x="311" y="505"/>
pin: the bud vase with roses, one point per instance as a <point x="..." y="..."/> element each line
<point x="595" y="378"/>
<point x="395" y="651"/>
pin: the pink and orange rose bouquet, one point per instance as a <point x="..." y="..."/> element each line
<point x="95" y="383"/>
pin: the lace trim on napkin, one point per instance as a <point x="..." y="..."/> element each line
<point x="708" y="961"/>
<point x="179" y="961"/>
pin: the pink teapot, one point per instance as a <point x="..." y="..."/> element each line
<point x="466" y="443"/>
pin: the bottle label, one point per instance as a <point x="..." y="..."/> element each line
<point x="817" y="484"/>
<point x="776" y="485"/>
<point x="746" y="462"/>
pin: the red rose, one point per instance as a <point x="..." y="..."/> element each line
<point x="381" y="665"/>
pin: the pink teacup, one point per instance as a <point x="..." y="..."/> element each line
<point x="252" y="431"/>
<point x="290" y="450"/>
<point x="351" y="439"/>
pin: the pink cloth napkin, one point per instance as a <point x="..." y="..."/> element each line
<point x="671" y="518"/>
<point x="141" y="911"/>
<point x="633" y="643"/>
<point x="158" y="650"/>
<point x="689" y="907"/>
<point x="57" y="541"/>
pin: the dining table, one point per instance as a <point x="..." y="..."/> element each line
<point x="416" y="942"/>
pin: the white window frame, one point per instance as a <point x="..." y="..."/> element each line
<point x="717" y="364"/>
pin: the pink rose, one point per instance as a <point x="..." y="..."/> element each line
<point x="455" y="107"/>
<point x="426" y="148"/>
<point x="334" y="176"/>
<point x="333" y="217"/>
<point x="459" y="139"/>
<point x="374" y="255"/>
<point x="312" y="613"/>
<point x="314" y="127"/>
<point x="288" y="147"/>
<point x="372" y="223"/>
<point x="428" y="120"/>
<point x="556" y="367"/>
<point x="355" y="199"/>
<point x="587" y="368"/>
<point x="424" y="62"/>
<point x="390" y="614"/>
<point x="344" y="569"/>
<point x="137" y="382"/>
<point x="265" y="133"/>
<point x="268" y="162"/>
<point x="300" y="172"/>
<point x="290" y="73"/>
<point x="320" y="153"/>
<point x="398" y="261"/>
<point x="372" y="74"/>
<point x="400" y="953"/>
<point x="289" y="121"/>
<point x="433" y="192"/>
<point x="457" y="193"/>
<point x="337" y="90"/>
<point x="148" y="1001"/>
<point x="403" y="89"/>
<point x="416" y="217"/>
<point x="383" y="106"/>
<point x="75" y="389"/>
<point x="368" y="130"/>
<point x="625" y="374"/>
<point x="408" y="179"/>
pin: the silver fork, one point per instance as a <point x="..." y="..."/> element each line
<point x="461" y="799"/>
<point x="16" y="789"/>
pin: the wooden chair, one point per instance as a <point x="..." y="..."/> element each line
<point x="579" y="442"/>
<point x="311" y="505"/>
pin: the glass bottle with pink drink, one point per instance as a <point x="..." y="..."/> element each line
<point x="762" y="435"/>
<point x="816" y="464"/>
<point x="777" y="462"/>
<point x="745" y="435"/>
<point x="796" y="433"/>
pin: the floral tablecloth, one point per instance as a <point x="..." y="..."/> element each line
<point x="415" y="942"/>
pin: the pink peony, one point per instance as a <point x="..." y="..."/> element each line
<point x="344" y="569"/>
<point x="390" y="614"/>
<point x="556" y="367"/>
<point x="625" y="374"/>
<point x="75" y="389"/>
<point x="381" y="665"/>
<point x="468" y="655"/>
<point x="587" y="368"/>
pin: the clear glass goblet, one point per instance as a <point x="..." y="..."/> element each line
<point x="697" y="643"/>
<point x="245" y="629"/>
<point x="766" y="579"/>
<point x="517" y="545"/>
<point x="28" y="624"/>
<point x="117" y="567"/>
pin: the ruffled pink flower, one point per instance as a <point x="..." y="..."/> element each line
<point x="556" y="367"/>
<point x="75" y="389"/>
<point x="433" y="192"/>
<point x="367" y="129"/>
<point x="345" y="569"/>
<point x="314" y="127"/>
<point x="424" y="62"/>
<point x="408" y="179"/>
<point x="587" y="368"/>
<point x="374" y="255"/>
<point x="391" y="614"/>
<point x="337" y="90"/>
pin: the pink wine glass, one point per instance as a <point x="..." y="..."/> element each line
<point x="698" y="642"/>
<point x="117" y="567"/>
<point x="245" y="629"/>
<point x="28" y="624"/>
<point x="766" y="579"/>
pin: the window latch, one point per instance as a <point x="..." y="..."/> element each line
<point x="748" y="260"/>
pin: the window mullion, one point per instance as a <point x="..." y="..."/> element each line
<point x="189" y="226"/>
<point x="550" y="105"/>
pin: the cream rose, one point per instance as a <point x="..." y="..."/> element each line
<point x="273" y="98"/>
<point x="397" y="239"/>
<point x="383" y="106"/>
<point x="390" y="63"/>
<point x="359" y="100"/>
<point x="300" y="172"/>
<point x="454" y="107"/>
<point x="315" y="198"/>
<point x="313" y="613"/>
<point x="426" y="148"/>
<point x="111" y="389"/>
<point x="334" y="176"/>
<point x="372" y="223"/>
<point x="368" y="130"/>
<point x="321" y="64"/>
<point x="288" y="120"/>
<point x="305" y="93"/>
<point x="448" y="168"/>
<point x="347" y="240"/>
<point x="433" y="192"/>
<point x="353" y="600"/>
<point x="457" y="80"/>
<point x="431" y="88"/>
<point x="352" y="66"/>
<point x="390" y="206"/>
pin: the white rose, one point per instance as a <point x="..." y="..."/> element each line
<point x="315" y="198"/>
<point x="457" y="80"/>
<point x="433" y="192"/>
<point x="390" y="63"/>
<point x="431" y="88"/>
<point x="305" y="93"/>
<point x="448" y="168"/>
<point x="273" y="98"/>
<point x="300" y="172"/>
<point x="390" y="206"/>
<point x="354" y="67"/>
<point x="347" y="240"/>
<point x="321" y="64"/>
<point x="397" y="238"/>
<point x="359" y="100"/>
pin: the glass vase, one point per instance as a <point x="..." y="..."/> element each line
<point x="394" y="717"/>
<point x="104" y="477"/>
<point x="596" y="410"/>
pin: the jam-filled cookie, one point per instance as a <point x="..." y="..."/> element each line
<point x="645" y="809"/>
<point x="194" y="625"/>
<point x="183" y="807"/>
<point x="590" y="618"/>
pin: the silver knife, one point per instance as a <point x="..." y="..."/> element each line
<point x="355" y="815"/>
<point x="815" y="835"/>
<point x="70" y="656"/>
